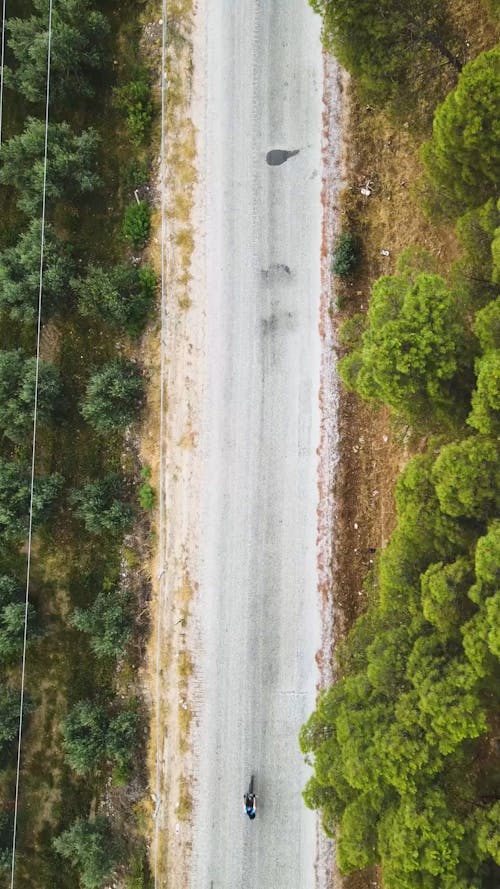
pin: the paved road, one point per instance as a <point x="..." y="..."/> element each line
<point x="257" y="607"/>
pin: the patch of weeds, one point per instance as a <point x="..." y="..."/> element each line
<point x="147" y="494"/>
<point x="137" y="224"/>
<point x="139" y="874"/>
<point x="135" y="173"/>
<point x="185" y="664"/>
<point x="135" y="101"/>
<point x="185" y="804"/>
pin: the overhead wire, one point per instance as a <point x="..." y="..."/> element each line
<point x="2" y="64"/>
<point x="33" y="457"/>
<point x="162" y="433"/>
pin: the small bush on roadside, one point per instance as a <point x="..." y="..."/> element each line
<point x="345" y="255"/>
<point x="134" y="100"/>
<point x="147" y="495"/>
<point x="137" y="224"/>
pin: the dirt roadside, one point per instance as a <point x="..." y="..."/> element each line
<point x="170" y="358"/>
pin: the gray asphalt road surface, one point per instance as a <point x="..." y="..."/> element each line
<point x="257" y="611"/>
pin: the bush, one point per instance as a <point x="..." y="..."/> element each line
<point x="91" y="848"/>
<point x="101" y="506"/>
<point x="137" y="224"/>
<point x="107" y="622"/>
<point x="345" y="256"/>
<point x="134" y="100"/>
<point x="121" y="296"/>
<point x="113" y="396"/>
<point x="147" y="495"/>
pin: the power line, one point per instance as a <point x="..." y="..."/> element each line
<point x="33" y="455"/>
<point x="2" y="60"/>
<point x="162" y="474"/>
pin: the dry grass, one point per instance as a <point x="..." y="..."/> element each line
<point x="185" y="804"/>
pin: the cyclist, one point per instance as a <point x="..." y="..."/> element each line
<point x="250" y="805"/>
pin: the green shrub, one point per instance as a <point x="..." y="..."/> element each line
<point x="345" y="256"/>
<point x="137" y="224"/>
<point x="147" y="494"/>
<point x="134" y="100"/>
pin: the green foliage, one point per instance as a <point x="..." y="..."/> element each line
<point x="135" y="101"/>
<point x="421" y="843"/>
<point x="92" y="850"/>
<point x="122" y="296"/>
<point x="70" y="165"/>
<point x="114" y="396"/>
<point x="487" y="325"/>
<point x="147" y="495"/>
<point x="137" y="224"/>
<point x="15" y="499"/>
<point x="84" y="737"/>
<point x="20" y="274"/>
<point x="351" y="330"/>
<point x="485" y="414"/>
<point x="462" y="159"/>
<point x="17" y="392"/>
<point x="121" y="739"/>
<point x="345" y="256"/>
<point x="476" y="229"/>
<point x="393" y="737"/>
<point x="102" y="507"/>
<point x="9" y="716"/>
<point x="107" y="622"/>
<point x="92" y="739"/>
<point x="444" y="595"/>
<point x="466" y="476"/>
<point x="389" y="45"/>
<point x="76" y="50"/>
<point x="415" y="354"/>
<point x="138" y="872"/>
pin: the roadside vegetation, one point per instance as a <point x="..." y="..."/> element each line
<point x="82" y="806"/>
<point x="404" y="745"/>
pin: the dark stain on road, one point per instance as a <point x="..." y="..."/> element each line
<point x="278" y="156"/>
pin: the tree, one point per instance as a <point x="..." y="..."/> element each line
<point x="444" y="595"/>
<point x="15" y="498"/>
<point x="485" y="414"/>
<point x="20" y="274"/>
<point x="122" y="296"/>
<point x="101" y="506"/>
<point x="113" y="397"/>
<point x="487" y="325"/>
<point x="475" y="230"/>
<point x="488" y="831"/>
<point x="107" y="622"/>
<point x="92" y="850"/>
<point x="448" y="696"/>
<point x="84" y="737"/>
<point x="386" y="45"/>
<point x="70" y="167"/>
<point x="462" y="159"/>
<point x="466" y="477"/>
<point x="420" y="842"/>
<point x="415" y="355"/>
<point x="17" y="391"/>
<point x="78" y="32"/>
<point x="121" y="740"/>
